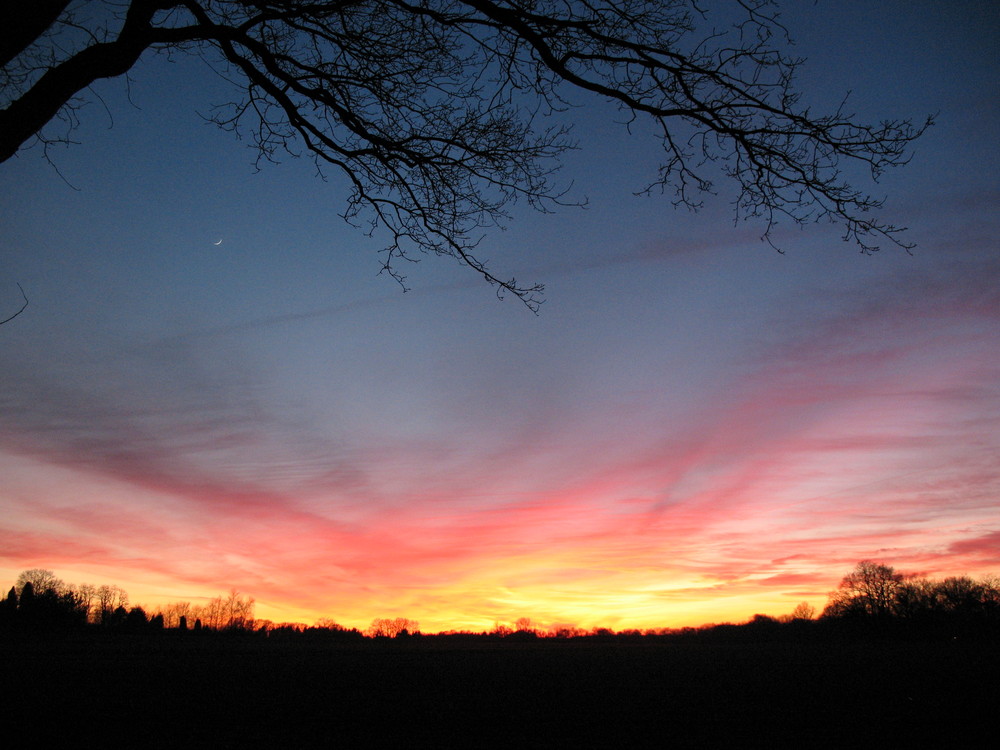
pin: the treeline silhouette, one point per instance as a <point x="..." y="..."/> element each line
<point x="891" y="661"/>
<point x="40" y="601"/>
<point x="873" y="599"/>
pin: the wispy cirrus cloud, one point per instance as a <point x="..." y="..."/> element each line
<point x="861" y="422"/>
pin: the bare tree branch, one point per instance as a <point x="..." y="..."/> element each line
<point x="25" y="305"/>
<point x="434" y="110"/>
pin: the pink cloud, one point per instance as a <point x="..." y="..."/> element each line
<point x="865" y="426"/>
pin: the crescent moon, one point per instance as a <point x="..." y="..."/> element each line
<point x="217" y="243"/>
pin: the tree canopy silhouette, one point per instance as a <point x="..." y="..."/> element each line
<point x="870" y="589"/>
<point x="435" y="110"/>
<point x="875" y="591"/>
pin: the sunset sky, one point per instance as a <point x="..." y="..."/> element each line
<point x="694" y="429"/>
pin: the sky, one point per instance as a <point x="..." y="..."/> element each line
<point x="695" y="428"/>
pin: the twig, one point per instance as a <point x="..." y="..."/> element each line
<point x="7" y="320"/>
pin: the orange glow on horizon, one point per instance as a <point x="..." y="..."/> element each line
<point x="762" y="498"/>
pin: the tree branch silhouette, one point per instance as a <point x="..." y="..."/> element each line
<point x="23" y="307"/>
<point x="435" y="110"/>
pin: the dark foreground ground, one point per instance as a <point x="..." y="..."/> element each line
<point x="249" y="693"/>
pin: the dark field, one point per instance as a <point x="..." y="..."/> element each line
<point x="216" y="692"/>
